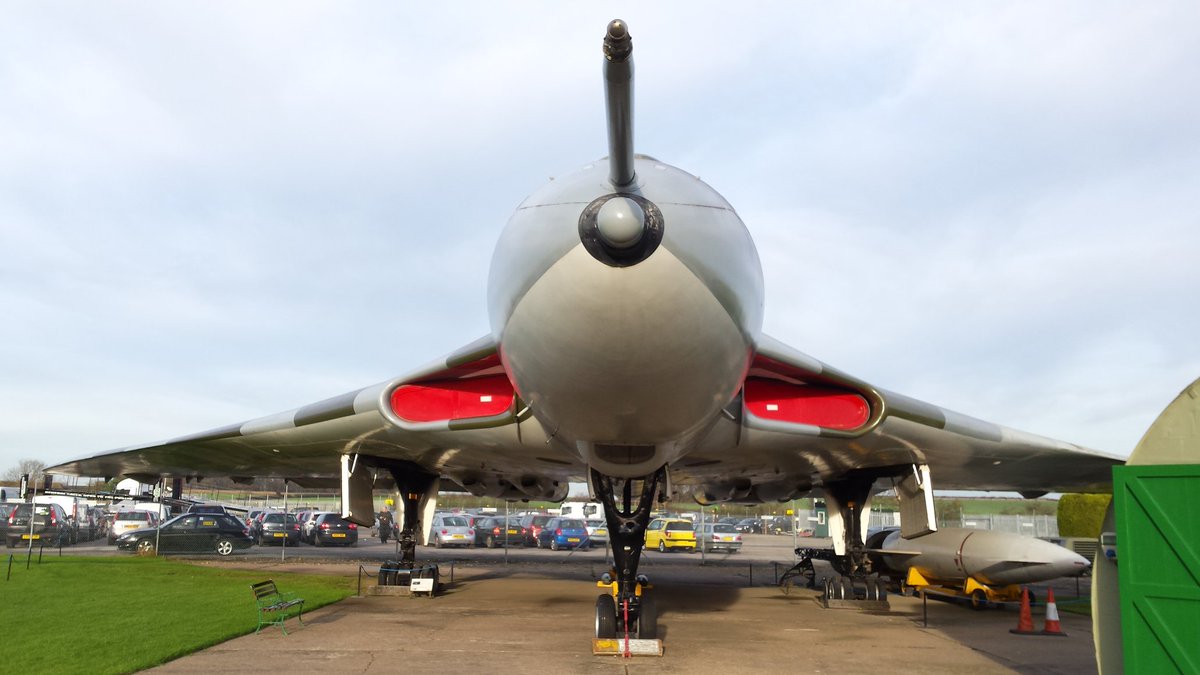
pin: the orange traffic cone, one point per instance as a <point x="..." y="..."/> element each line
<point x="1025" y="623"/>
<point x="1052" y="625"/>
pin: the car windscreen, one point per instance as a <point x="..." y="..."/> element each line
<point x="680" y="526"/>
<point x="454" y="521"/>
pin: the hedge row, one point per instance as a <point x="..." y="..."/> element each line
<point x="1081" y="515"/>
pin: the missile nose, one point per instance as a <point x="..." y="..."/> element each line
<point x="621" y="222"/>
<point x="617" y="29"/>
<point x="1068" y="563"/>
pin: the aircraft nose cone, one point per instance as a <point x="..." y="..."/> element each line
<point x="621" y="222"/>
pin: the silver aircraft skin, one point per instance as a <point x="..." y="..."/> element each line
<point x="644" y="355"/>
<point x="626" y="306"/>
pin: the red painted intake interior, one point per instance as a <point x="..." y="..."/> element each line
<point x="453" y="399"/>
<point x="805" y="404"/>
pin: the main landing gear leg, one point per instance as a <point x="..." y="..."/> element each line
<point x="627" y="608"/>
<point x="850" y="560"/>
<point x="417" y="488"/>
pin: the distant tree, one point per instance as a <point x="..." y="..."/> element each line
<point x="33" y="467"/>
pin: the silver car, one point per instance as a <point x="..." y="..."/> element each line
<point x="718" y="537"/>
<point x="451" y="531"/>
<point x="597" y="531"/>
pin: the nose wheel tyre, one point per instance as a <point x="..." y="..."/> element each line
<point x="648" y="621"/>
<point x="606" y="617"/>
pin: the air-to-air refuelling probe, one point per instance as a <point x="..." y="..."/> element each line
<point x="626" y="350"/>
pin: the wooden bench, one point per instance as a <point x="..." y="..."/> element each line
<point x="273" y="606"/>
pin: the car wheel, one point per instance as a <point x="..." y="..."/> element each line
<point x="553" y="544"/>
<point x="437" y="541"/>
<point x="145" y="547"/>
<point x="491" y="542"/>
<point x="662" y="546"/>
<point x="224" y="547"/>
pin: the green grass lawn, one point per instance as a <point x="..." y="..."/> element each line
<point x="119" y="615"/>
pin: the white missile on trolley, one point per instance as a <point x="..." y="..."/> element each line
<point x="983" y="565"/>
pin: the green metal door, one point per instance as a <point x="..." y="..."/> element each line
<point x="1158" y="560"/>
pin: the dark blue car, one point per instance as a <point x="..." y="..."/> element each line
<point x="560" y="533"/>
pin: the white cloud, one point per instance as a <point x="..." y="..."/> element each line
<point x="211" y="212"/>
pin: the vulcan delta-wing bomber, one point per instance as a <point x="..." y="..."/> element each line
<point x="626" y="350"/>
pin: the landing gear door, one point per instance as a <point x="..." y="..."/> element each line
<point x="358" y="482"/>
<point x="426" y="506"/>
<point x="915" y="493"/>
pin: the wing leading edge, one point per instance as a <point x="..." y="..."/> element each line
<point x="454" y="416"/>
<point x="775" y="459"/>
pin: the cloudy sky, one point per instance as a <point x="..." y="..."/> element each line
<point x="211" y="212"/>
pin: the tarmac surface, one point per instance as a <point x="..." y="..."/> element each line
<point x="521" y="618"/>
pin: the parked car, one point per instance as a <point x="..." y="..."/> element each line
<point x="777" y="525"/>
<point x="127" y="521"/>
<point x="278" y="528"/>
<point x="451" y="531"/>
<point x="6" y="510"/>
<point x="671" y="533"/>
<point x="560" y="533"/>
<point x="533" y="524"/>
<point x="597" y="531"/>
<point x="309" y="523"/>
<point x="330" y="528"/>
<point x="190" y="533"/>
<point x="718" y="537"/>
<point x="50" y="526"/>
<point x="749" y="526"/>
<point x="256" y="525"/>
<point x="496" y="531"/>
<point x="207" y="508"/>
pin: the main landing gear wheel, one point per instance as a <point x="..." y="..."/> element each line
<point x="876" y="590"/>
<point x="606" y="617"/>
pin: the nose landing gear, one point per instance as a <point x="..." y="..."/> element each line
<point x="626" y="613"/>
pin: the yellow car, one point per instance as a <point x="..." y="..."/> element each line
<point x="669" y="533"/>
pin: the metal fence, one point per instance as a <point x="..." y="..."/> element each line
<point x="1028" y="525"/>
